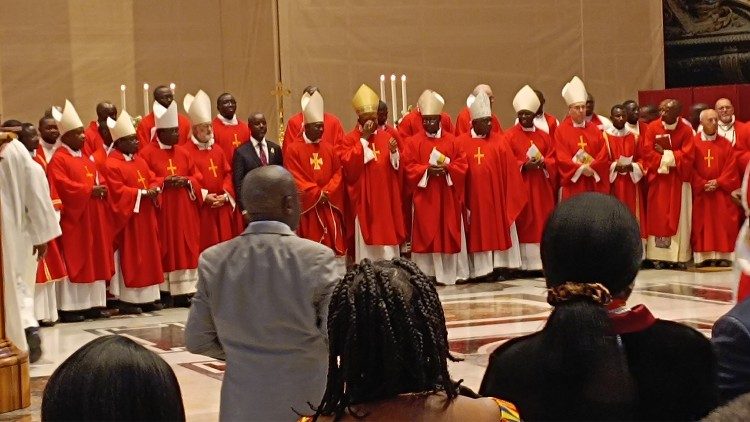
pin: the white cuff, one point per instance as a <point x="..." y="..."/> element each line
<point x="667" y="159"/>
<point x="597" y="179"/>
<point x="191" y="191"/>
<point x="637" y="174"/>
<point x="369" y="155"/>
<point x="448" y="179"/>
<point x="423" y="181"/>
<point x="137" y="207"/>
<point x="395" y="160"/>
<point x="204" y="193"/>
<point x="231" y="200"/>
<point x="577" y="174"/>
<point x="612" y="172"/>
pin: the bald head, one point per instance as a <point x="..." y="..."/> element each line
<point x="710" y="121"/>
<point x="105" y="109"/>
<point x="270" y="194"/>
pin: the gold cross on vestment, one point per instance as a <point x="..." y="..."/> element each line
<point x="171" y="167"/>
<point x="709" y="158"/>
<point x="479" y="155"/>
<point x="212" y="167"/>
<point x="582" y="144"/>
<point x="88" y="172"/>
<point x="236" y="141"/>
<point x="316" y="161"/>
<point x="375" y="151"/>
<point x="142" y="179"/>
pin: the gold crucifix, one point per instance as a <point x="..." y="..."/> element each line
<point x="171" y="167"/>
<point x="316" y="161"/>
<point x="142" y="179"/>
<point x="212" y="167"/>
<point x="375" y="151"/>
<point x="279" y="92"/>
<point x="236" y="141"/>
<point x="709" y="158"/>
<point x="479" y="155"/>
<point x="582" y="144"/>
<point x="88" y="172"/>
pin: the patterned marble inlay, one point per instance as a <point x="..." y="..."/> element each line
<point x="212" y="368"/>
<point x="690" y="292"/>
<point x="161" y="337"/>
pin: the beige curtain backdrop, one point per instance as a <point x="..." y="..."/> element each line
<point x="85" y="49"/>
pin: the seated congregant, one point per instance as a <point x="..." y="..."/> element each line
<point x="597" y="358"/>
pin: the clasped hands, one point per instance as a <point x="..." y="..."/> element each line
<point x="176" y="182"/>
<point x="533" y="165"/>
<point x="215" y="201"/>
<point x="711" y="186"/>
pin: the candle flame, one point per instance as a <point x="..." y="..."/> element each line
<point x="393" y="77"/>
<point x="382" y="77"/>
<point x="172" y="86"/>
<point x="403" y="78"/>
<point x="145" y="87"/>
<point x="122" y="87"/>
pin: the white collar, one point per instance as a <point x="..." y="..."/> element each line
<point x="617" y="132"/>
<point x="33" y="153"/>
<point x="162" y="146"/>
<point x="202" y="146"/>
<point x="78" y="153"/>
<point x="257" y="142"/>
<point x="673" y="126"/>
<point x="475" y="136"/>
<point x="727" y="127"/>
<point x="228" y="122"/>
<point x="436" y="135"/>
<point x="632" y="127"/>
<point x="51" y="147"/>
<point x="579" y="125"/>
<point x="708" y="138"/>
<point x="128" y="157"/>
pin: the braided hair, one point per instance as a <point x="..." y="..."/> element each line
<point x="387" y="336"/>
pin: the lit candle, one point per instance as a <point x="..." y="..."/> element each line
<point x="403" y="95"/>
<point x="172" y="86"/>
<point x="146" y="108"/>
<point x="382" y="87"/>
<point x="122" y="97"/>
<point x="394" y="105"/>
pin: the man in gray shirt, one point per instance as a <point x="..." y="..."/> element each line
<point x="262" y="305"/>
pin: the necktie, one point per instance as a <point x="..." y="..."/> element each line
<point x="262" y="154"/>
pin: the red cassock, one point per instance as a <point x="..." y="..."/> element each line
<point x="217" y="224"/>
<point x="742" y="146"/>
<point x="715" y="217"/>
<point x="333" y="132"/>
<point x="179" y="220"/>
<point x="494" y="195"/>
<point x="539" y="183"/>
<point x="436" y="226"/>
<point x="94" y="147"/>
<point x="411" y="124"/>
<point x="568" y="141"/>
<point x="317" y="169"/>
<point x="663" y="203"/>
<point x="145" y="135"/>
<point x="52" y="266"/>
<point x="230" y="137"/>
<point x="623" y="187"/>
<point x="136" y="234"/>
<point x="374" y="190"/>
<point x="85" y="221"/>
<point x="463" y="123"/>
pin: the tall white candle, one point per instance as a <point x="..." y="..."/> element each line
<point x="146" y="108"/>
<point x="394" y="105"/>
<point x="403" y="95"/>
<point x="122" y="97"/>
<point x="382" y="87"/>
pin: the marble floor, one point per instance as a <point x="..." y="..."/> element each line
<point x="479" y="318"/>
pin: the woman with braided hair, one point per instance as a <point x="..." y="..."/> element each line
<point x="597" y="359"/>
<point x="389" y="349"/>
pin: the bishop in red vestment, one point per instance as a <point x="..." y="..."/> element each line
<point x="463" y="120"/>
<point x="146" y="130"/>
<point x="436" y="171"/>
<point x="217" y="215"/>
<point x="581" y="153"/>
<point x="371" y="160"/>
<point x="627" y="171"/>
<point x="132" y="186"/>
<point x="178" y="217"/>
<point x="333" y="132"/>
<point x="98" y="138"/>
<point x="535" y="157"/>
<point x="668" y="156"/>
<point x="86" y="241"/>
<point x="229" y="131"/>
<point x="494" y="195"/>
<point x="317" y="171"/>
<point x="715" y="216"/>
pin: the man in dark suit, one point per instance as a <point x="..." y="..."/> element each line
<point x="258" y="152"/>
<point x="731" y="339"/>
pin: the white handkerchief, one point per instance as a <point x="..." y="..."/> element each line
<point x="624" y="161"/>
<point x="369" y="155"/>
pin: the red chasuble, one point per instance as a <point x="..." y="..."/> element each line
<point x="333" y="132"/>
<point x="742" y="146"/>
<point x="568" y="141"/>
<point x="463" y="123"/>
<point x="538" y="183"/>
<point x="411" y="124"/>
<point x="146" y="135"/>
<point x="52" y="266"/>
<point x="94" y="147"/>
<point x="494" y="192"/>
<point x="715" y="217"/>
<point x="230" y="137"/>
<point x="623" y="187"/>
<point x="217" y="224"/>
<point x="316" y="169"/>
<point x="136" y="233"/>
<point x="85" y="221"/>
<point x="179" y="221"/>
<point x="663" y="203"/>
<point x="374" y="189"/>
<point x="438" y="207"/>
